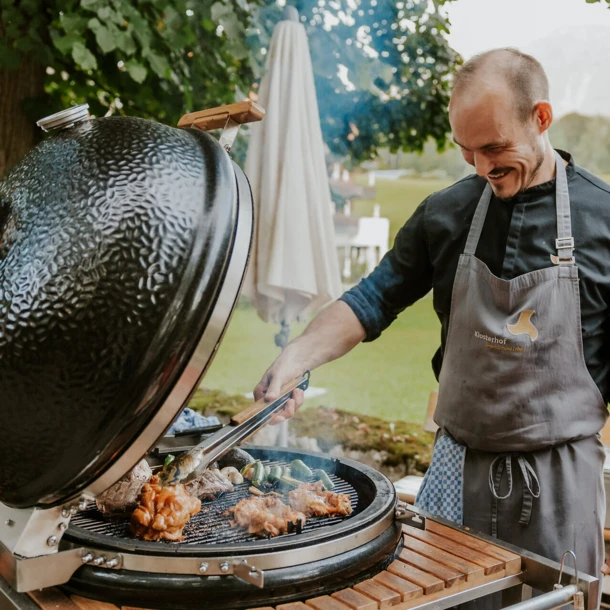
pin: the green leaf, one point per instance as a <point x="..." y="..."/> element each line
<point x="105" y="13"/>
<point x="91" y="5"/>
<point x="125" y="42"/>
<point x="142" y="31"/>
<point x="219" y="9"/>
<point x="136" y="70"/>
<point x="173" y="19"/>
<point x="83" y="57"/>
<point x="94" y="24"/>
<point x="73" y="24"/>
<point x="158" y="63"/>
<point x="65" y="44"/>
<point x="237" y="48"/>
<point x="106" y="39"/>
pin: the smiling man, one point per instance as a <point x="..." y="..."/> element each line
<point x="517" y="258"/>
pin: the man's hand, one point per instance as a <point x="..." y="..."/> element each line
<point x="280" y="373"/>
<point x="330" y="335"/>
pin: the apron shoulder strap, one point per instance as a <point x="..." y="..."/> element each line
<point x="564" y="242"/>
<point x="478" y="221"/>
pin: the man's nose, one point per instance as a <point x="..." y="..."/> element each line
<point x="482" y="164"/>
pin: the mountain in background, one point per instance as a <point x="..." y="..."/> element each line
<point x="576" y="62"/>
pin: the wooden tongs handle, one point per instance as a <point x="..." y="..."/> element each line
<point x="216" y="118"/>
<point x="301" y="382"/>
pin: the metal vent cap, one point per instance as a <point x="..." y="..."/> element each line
<point x="65" y="118"/>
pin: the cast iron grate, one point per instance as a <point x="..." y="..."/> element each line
<point x="211" y="525"/>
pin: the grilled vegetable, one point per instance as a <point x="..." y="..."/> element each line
<point x="286" y="471"/>
<point x="300" y="470"/>
<point x="232" y="474"/>
<point x="168" y="460"/>
<point x="289" y="483"/>
<point x="259" y="475"/>
<point x="321" y="475"/>
<point x="238" y="458"/>
<point x="255" y="491"/>
<point x="275" y="474"/>
<point x="247" y="471"/>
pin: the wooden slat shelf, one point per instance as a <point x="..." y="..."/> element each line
<point x="434" y="564"/>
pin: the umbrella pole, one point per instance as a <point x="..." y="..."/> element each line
<point x="281" y="340"/>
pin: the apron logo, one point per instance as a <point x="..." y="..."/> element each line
<point x="524" y="325"/>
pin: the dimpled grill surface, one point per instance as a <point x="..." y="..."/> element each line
<point x="114" y="236"/>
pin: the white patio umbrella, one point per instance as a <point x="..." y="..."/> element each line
<point x="294" y="269"/>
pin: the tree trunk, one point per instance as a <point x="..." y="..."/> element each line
<point x="18" y="132"/>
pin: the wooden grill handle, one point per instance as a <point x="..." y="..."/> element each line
<point x="216" y="118"/>
<point x="285" y="393"/>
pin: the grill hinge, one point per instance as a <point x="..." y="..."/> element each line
<point x="251" y="574"/>
<point x="404" y="514"/>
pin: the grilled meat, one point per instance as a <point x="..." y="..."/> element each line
<point x="312" y="499"/>
<point x="266" y="516"/>
<point x="120" y="499"/>
<point x="162" y="512"/>
<point x="208" y="485"/>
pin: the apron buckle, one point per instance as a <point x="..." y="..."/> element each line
<point x="563" y="243"/>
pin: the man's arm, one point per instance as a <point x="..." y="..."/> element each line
<point x="362" y="313"/>
<point x="330" y="335"/>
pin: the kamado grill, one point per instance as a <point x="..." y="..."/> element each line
<point x="123" y="246"/>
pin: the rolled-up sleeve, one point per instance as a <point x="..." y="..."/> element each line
<point x="403" y="276"/>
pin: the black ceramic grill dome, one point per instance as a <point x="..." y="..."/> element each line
<point x="115" y="236"/>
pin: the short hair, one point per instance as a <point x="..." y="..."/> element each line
<point x="524" y="75"/>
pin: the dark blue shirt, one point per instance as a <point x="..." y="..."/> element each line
<point x="518" y="237"/>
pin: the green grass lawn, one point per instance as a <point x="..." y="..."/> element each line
<point x="390" y="377"/>
<point x="398" y="199"/>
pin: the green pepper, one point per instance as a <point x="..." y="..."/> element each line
<point x="259" y="476"/>
<point x="288" y="483"/>
<point x="247" y="470"/>
<point x="300" y="470"/>
<point x="275" y="474"/>
<point x="168" y="460"/>
<point x="321" y="475"/>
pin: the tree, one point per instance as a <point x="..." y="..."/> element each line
<point x="151" y="58"/>
<point x="383" y="67"/>
<point x="383" y="71"/>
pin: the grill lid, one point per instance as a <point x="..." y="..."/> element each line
<point x="123" y="244"/>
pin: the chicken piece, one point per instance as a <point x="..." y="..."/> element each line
<point x="266" y="516"/>
<point x="120" y="499"/>
<point x="162" y="512"/>
<point x="312" y="499"/>
<point x="208" y="485"/>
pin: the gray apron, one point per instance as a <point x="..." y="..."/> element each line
<point x="515" y="391"/>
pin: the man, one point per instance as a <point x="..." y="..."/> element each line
<point x="517" y="258"/>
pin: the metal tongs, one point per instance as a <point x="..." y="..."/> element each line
<point x="193" y="462"/>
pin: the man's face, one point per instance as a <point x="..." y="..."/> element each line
<point x="504" y="149"/>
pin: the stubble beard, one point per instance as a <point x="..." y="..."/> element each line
<point x="532" y="175"/>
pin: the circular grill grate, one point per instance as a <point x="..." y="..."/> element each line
<point x="212" y="525"/>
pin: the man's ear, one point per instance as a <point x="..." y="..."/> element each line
<point x="543" y="115"/>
